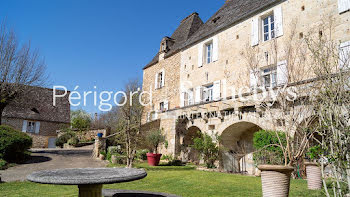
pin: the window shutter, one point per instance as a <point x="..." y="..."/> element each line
<point x="278" y="21"/>
<point x="344" y="55"/>
<point x="190" y="96"/>
<point x="282" y="73"/>
<point x="255" y="32"/>
<point x="253" y="79"/>
<point x="37" y="127"/>
<point x="216" y="90"/>
<point x="215" y="49"/>
<point x="166" y="105"/>
<point x="156" y="82"/>
<point x="200" y="55"/>
<point x="163" y="79"/>
<point x="198" y="94"/>
<point x="182" y="99"/>
<point x="343" y="6"/>
<point x="24" y="127"/>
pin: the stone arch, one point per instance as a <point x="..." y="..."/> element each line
<point x="237" y="147"/>
<point x="188" y="153"/>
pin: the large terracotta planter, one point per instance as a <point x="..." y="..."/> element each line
<point x="275" y="180"/>
<point x="314" y="176"/>
<point x="153" y="159"/>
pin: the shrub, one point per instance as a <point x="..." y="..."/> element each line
<point x="3" y="164"/>
<point x="142" y="154"/>
<point x="13" y="144"/>
<point x="68" y="134"/>
<point x="267" y="145"/>
<point x="208" y="149"/>
<point x="74" y="141"/>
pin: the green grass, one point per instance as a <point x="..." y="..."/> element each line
<point x="183" y="181"/>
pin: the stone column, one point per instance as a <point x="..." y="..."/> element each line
<point x="100" y="145"/>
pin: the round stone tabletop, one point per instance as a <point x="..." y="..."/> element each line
<point x="87" y="176"/>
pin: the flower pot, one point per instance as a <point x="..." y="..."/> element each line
<point x="275" y="180"/>
<point x="100" y="135"/>
<point x="153" y="159"/>
<point x="314" y="177"/>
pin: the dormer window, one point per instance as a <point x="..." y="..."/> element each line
<point x="163" y="48"/>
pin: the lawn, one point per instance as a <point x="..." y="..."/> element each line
<point x="183" y="181"/>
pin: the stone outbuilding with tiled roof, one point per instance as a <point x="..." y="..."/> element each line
<point x="35" y="114"/>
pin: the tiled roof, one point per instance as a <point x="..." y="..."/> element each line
<point x="186" y="29"/>
<point x="229" y="14"/>
<point x="192" y="29"/>
<point x="37" y="104"/>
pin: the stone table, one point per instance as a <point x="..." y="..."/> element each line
<point x="89" y="180"/>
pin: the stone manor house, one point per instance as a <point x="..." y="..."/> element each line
<point x="190" y="73"/>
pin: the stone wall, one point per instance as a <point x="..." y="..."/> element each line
<point x="170" y="91"/>
<point x="47" y="130"/>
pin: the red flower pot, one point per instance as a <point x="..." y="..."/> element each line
<point x="153" y="159"/>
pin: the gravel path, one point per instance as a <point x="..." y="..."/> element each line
<point x="49" y="159"/>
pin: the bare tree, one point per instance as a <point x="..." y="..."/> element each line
<point x="129" y="120"/>
<point x="331" y="65"/>
<point x="20" y="67"/>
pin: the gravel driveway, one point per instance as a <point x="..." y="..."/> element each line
<point x="48" y="159"/>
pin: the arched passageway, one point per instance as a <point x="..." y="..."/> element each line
<point x="188" y="153"/>
<point x="237" y="151"/>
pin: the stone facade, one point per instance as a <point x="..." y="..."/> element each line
<point x="37" y="108"/>
<point x="235" y="121"/>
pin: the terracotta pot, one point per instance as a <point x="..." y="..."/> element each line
<point x="314" y="177"/>
<point x="153" y="159"/>
<point x="275" y="180"/>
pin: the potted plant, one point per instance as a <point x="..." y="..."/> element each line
<point x="313" y="170"/>
<point x="271" y="160"/>
<point x="155" y="139"/>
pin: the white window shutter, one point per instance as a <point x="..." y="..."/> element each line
<point x="190" y="96"/>
<point x="166" y="105"/>
<point x="200" y="55"/>
<point x="198" y="94"/>
<point x="277" y="12"/>
<point x="215" y="49"/>
<point x="344" y="55"/>
<point x="163" y="79"/>
<point x="216" y="90"/>
<point x="182" y="99"/>
<point x="255" y="32"/>
<point x="37" y="127"/>
<point x="24" y="127"/>
<point x="253" y="79"/>
<point x="343" y="5"/>
<point x="156" y="82"/>
<point x="282" y="73"/>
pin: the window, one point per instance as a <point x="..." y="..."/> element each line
<point x="268" y="25"/>
<point x="269" y="77"/>
<point x="160" y="80"/>
<point x="30" y="127"/>
<point x="209" y="52"/>
<point x="207" y="93"/>
<point x="161" y="106"/>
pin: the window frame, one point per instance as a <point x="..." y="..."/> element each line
<point x="271" y="29"/>
<point x="208" y="93"/>
<point x="160" y="79"/>
<point x="270" y="71"/>
<point x="31" y="126"/>
<point x="162" y="106"/>
<point x="209" y="50"/>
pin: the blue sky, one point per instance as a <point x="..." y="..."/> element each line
<point x="98" y="43"/>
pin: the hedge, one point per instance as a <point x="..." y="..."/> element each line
<point x="13" y="144"/>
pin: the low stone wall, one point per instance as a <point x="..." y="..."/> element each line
<point x="40" y="141"/>
<point x="91" y="134"/>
